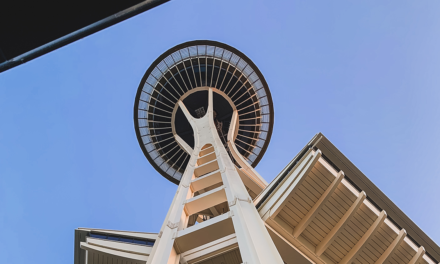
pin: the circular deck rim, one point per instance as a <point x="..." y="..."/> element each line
<point x="189" y="44"/>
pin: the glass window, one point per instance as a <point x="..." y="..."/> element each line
<point x="98" y="236"/>
<point x="142" y="242"/>
<point x="123" y="239"/>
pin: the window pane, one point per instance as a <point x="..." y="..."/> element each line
<point x="142" y="242"/>
<point x="123" y="239"/>
<point x="98" y="236"/>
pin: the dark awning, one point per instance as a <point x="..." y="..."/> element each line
<point x="29" y="29"/>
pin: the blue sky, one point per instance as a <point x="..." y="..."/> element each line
<point x="365" y="73"/>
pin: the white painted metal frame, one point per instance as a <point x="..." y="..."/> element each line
<point x="252" y="237"/>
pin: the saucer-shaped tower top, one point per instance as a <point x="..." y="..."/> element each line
<point x="185" y="73"/>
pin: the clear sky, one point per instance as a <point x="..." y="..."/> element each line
<point x="365" y="73"/>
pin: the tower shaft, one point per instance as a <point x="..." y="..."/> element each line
<point x="210" y="181"/>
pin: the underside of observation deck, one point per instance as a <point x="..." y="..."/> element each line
<point x="184" y="73"/>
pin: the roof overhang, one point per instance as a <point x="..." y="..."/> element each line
<point x="296" y="187"/>
<point x="109" y="249"/>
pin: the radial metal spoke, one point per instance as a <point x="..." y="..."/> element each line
<point x="159" y="122"/>
<point x="253" y="118"/>
<point x="238" y="79"/>
<point x="159" y="135"/>
<point x="248" y="160"/>
<point x="192" y="68"/>
<point x="250" y="125"/>
<point x="243" y="85"/>
<point x="245" y="149"/>
<point x="181" y="77"/>
<point x="248" y="143"/>
<point x="250" y="131"/>
<point x="183" y="152"/>
<point x="172" y="75"/>
<point x="255" y="110"/>
<point x="166" y="161"/>
<point x="155" y="107"/>
<point x="172" y="166"/>
<point x="143" y="101"/>
<point x="155" y="127"/>
<point x="251" y="138"/>
<point x="247" y="92"/>
<point x="219" y="69"/>
<point x="183" y="162"/>
<point x="162" y="156"/>
<point x="151" y="97"/>
<point x="206" y="67"/>
<point x="165" y="90"/>
<point x="213" y="66"/>
<point x="184" y="67"/>
<point x="177" y="68"/>
<point x="166" y="146"/>
<point x="169" y="117"/>
<point x="224" y="77"/>
<point x="163" y="97"/>
<point x="226" y="73"/>
<point x="160" y="141"/>
<point x="200" y="70"/>
<point x="232" y="77"/>
<point x="167" y="81"/>
<point x="250" y="97"/>
<point x="161" y="103"/>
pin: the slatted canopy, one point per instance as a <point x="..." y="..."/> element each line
<point x="316" y="208"/>
<point x="184" y="73"/>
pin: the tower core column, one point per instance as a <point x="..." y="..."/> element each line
<point x="209" y="160"/>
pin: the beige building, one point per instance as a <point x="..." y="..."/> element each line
<point x="203" y="117"/>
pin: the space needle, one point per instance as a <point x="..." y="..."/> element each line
<point x="203" y="116"/>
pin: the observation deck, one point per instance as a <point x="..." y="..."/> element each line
<point x="185" y="73"/>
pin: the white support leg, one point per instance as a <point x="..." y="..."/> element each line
<point x="254" y="241"/>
